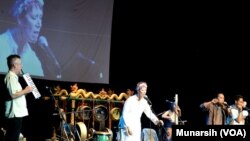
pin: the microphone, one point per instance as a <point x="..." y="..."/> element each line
<point x="226" y="105"/>
<point x="148" y="100"/>
<point x="80" y="55"/>
<point x="245" y="106"/>
<point x="43" y="43"/>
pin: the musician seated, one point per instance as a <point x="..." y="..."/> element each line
<point x="171" y="117"/>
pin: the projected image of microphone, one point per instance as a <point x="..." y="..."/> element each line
<point x="43" y="43"/>
<point x="83" y="57"/>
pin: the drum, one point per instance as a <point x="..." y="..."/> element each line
<point x="101" y="113"/>
<point x="103" y="135"/>
<point x="115" y="113"/>
<point x="82" y="130"/>
<point x="83" y="112"/>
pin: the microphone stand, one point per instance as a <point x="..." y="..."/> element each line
<point x="63" y="121"/>
<point x="160" y="127"/>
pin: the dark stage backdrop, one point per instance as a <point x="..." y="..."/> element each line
<point x="178" y="49"/>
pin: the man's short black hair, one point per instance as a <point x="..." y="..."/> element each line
<point x="238" y="96"/>
<point x="11" y="58"/>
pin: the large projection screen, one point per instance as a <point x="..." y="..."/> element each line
<point x="71" y="42"/>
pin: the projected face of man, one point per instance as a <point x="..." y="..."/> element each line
<point x="31" y="23"/>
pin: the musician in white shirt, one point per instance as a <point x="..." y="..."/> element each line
<point x="238" y="114"/>
<point x="130" y="121"/>
<point x="15" y="106"/>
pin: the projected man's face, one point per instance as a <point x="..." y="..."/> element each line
<point x="32" y="23"/>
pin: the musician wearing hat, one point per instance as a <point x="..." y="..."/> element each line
<point x="130" y="121"/>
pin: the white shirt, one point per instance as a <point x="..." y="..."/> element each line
<point x="131" y="116"/>
<point x="235" y="113"/>
<point x="16" y="107"/>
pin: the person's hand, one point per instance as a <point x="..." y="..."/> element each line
<point x="160" y="123"/>
<point x="214" y="101"/>
<point x="240" y="108"/>
<point x="178" y="108"/>
<point x="129" y="132"/>
<point x="28" y="89"/>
